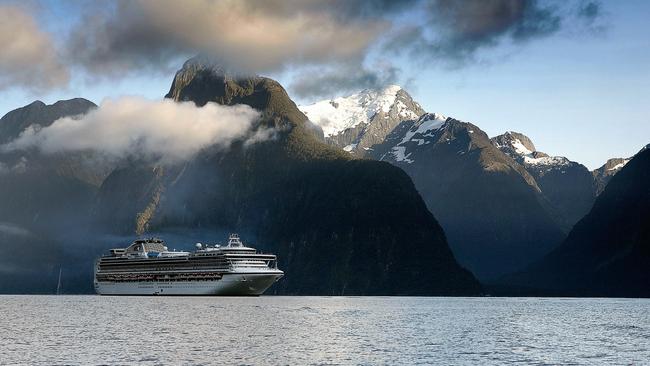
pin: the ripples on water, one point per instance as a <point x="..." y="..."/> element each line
<point x="46" y="330"/>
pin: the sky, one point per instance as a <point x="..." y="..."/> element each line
<point x="574" y="76"/>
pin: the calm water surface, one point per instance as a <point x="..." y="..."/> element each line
<point x="83" y="330"/>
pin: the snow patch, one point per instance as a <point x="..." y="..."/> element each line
<point x="548" y="160"/>
<point x="425" y="126"/>
<point x="520" y="148"/>
<point x="619" y="165"/>
<point x="350" y="147"/>
<point x="399" y="153"/>
<point x="426" y="123"/>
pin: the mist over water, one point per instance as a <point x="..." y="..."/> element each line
<point x="82" y="330"/>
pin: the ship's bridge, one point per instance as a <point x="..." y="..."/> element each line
<point x="235" y="245"/>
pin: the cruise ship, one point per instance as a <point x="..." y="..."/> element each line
<point x="147" y="267"/>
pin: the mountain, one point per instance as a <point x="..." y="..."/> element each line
<point x="359" y="121"/>
<point x="493" y="227"/>
<point x="38" y="113"/>
<point x="35" y="187"/>
<point x="490" y="207"/>
<point x="45" y="199"/>
<point x="608" y="251"/>
<point x="603" y="174"/>
<point x="338" y="225"/>
<point x="568" y="186"/>
<point x="78" y="165"/>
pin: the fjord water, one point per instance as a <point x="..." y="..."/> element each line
<point x="46" y="330"/>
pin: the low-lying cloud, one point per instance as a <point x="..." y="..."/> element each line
<point x="28" y="58"/>
<point x="19" y="166"/>
<point x="164" y="130"/>
<point x="13" y="229"/>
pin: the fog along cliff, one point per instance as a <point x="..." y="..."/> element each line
<point x="338" y="225"/>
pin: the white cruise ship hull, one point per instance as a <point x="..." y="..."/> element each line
<point x="230" y="284"/>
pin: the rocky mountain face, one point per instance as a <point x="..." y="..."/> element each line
<point x="359" y="121"/>
<point x="603" y="174"/>
<point x="608" y="251"/>
<point x="490" y="207"/>
<point x="568" y="186"/>
<point x="338" y="225"/>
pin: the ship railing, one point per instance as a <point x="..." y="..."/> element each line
<point x="146" y="271"/>
<point x="248" y="255"/>
<point x="253" y="263"/>
<point x="159" y="277"/>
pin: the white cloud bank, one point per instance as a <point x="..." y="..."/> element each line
<point x="132" y="126"/>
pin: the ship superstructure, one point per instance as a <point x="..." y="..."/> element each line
<point x="147" y="267"/>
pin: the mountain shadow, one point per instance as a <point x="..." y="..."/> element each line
<point x="492" y="210"/>
<point x="608" y="251"/>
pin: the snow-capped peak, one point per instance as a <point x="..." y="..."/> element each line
<point x="336" y="115"/>
<point x="519" y="143"/>
<point x="522" y="149"/>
